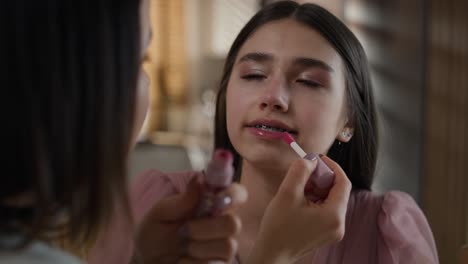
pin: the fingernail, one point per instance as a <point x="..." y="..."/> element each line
<point x="220" y="203"/>
<point x="184" y="231"/>
<point x="311" y="157"/>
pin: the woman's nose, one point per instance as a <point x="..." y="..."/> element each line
<point x="275" y="96"/>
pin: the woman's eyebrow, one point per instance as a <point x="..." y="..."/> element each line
<point x="257" y="57"/>
<point x="312" y="63"/>
<point x="301" y="61"/>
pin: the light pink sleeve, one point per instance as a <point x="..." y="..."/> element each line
<point x="115" y="244"/>
<point x="405" y="235"/>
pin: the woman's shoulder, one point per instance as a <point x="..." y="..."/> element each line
<point x="392" y="201"/>
<point x="151" y="179"/>
<point x="153" y="185"/>
<point x="390" y="211"/>
<point x="114" y="244"/>
<point x="392" y="205"/>
<point x="401" y="228"/>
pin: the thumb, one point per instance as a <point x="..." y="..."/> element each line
<point x="180" y="206"/>
<point x="296" y="178"/>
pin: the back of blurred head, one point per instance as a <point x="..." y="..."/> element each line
<point x="68" y="72"/>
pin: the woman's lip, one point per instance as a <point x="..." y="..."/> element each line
<point x="270" y="135"/>
<point x="292" y="133"/>
<point x="271" y="123"/>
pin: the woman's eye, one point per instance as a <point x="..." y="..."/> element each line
<point x="253" y="77"/>
<point x="309" y="83"/>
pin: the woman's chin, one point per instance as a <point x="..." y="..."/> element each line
<point x="269" y="161"/>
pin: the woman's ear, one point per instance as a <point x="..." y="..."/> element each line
<point x="346" y="133"/>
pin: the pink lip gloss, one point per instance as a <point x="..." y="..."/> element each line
<point x="322" y="178"/>
<point x="218" y="176"/>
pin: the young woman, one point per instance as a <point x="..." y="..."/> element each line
<point x="297" y="68"/>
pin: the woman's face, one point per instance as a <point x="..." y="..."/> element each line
<point x="286" y="77"/>
<point x="143" y="78"/>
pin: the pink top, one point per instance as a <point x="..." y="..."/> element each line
<point x="384" y="229"/>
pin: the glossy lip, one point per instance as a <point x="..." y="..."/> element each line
<point x="271" y="123"/>
<point x="265" y="134"/>
<point x="269" y="135"/>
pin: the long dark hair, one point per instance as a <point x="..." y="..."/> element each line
<point x="358" y="156"/>
<point x="68" y="71"/>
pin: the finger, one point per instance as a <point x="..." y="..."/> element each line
<point x="180" y="206"/>
<point x="341" y="189"/>
<point x="217" y="227"/>
<point x="231" y="198"/>
<point x="296" y="178"/>
<point x="220" y="249"/>
<point x="317" y="194"/>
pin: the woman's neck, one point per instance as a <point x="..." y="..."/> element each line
<point x="262" y="185"/>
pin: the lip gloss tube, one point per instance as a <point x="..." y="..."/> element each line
<point x="218" y="176"/>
